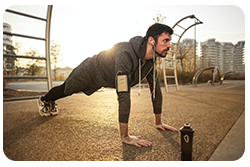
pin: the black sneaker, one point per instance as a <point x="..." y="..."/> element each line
<point x="54" y="110"/>
<point x="47" y="109"/>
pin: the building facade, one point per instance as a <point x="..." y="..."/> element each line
<point x="226" y="56"/>
<point x="63" y="72"/>
<point x="211" y="52"/>
<point x="8" y="48"/>
<point x="7" y="40"/>
<point x="238" y="59"/>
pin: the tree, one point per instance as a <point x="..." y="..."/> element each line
<point x="183" y="53"/>
<point x="159" y="18"/>
<point x="55" y="55"/>
<point x="34" y="66"/>
<point x="18" y="51"/>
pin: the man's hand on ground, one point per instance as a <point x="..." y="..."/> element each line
<point x="163" y="127"/>
<point x="136" y="141"/>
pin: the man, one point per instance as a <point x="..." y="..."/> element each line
<point x="120" y="67"/>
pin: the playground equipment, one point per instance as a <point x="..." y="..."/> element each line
<point x="224" y="75"/>
<point x="196" y="76"/>
<point x="172" y="53"/>
<point x="47" y="48"/>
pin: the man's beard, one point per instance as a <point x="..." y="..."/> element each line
<point x="161" y="55"/>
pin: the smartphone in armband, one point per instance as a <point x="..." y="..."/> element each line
<point x="122" y="83"/>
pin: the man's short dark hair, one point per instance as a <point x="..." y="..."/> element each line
<point x="157" y="29"/>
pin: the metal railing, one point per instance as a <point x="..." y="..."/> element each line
<point x="224" y="75"/>
<point x="196" y="76"/>
<point x="47" y="48"/>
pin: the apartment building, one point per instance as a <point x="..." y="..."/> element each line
<point x="8" y="48"/>
<point x="211" y="52"/>
<point x="238" y="59"/>
<point x="226" y="56"/>
<point x="7" y="39"/>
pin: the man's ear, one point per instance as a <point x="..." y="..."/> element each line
<point x="151" y="41"/>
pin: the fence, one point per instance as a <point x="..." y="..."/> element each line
<point x="47" y="48"/>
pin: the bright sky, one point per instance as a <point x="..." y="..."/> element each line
<point x="85" y="30"/>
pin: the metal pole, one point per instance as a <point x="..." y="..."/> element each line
<point x="185" y="31"/>
<point x="24" y="36"/>
<point x="48" y="63"/>
<point x="23" y="14"/>
<point x="191" y="16"/>
<point x="195" y="46"/>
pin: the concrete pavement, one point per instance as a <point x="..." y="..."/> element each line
<point x="87" y="126"/>
<point x="232" y="146"/>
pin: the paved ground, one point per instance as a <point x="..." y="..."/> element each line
<point x="87" y="126"/>
<point x="233" y="145"/>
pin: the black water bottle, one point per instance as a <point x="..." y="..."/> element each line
<point x="186" y="142"/>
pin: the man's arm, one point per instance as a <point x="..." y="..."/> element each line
<point x="161" y="126"/>
<point x="123" y="66"/>
<point x="157" y="103"/>
<point x="132" y="140"/>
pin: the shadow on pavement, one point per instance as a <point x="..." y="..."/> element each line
<point x="169" y="135"/>
<point x="131" y="152"/>
<point x="22" y="130"/>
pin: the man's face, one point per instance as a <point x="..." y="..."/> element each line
<point x="163" y="44"/>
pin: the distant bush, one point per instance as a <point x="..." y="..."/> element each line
<point x="235" y="76"/>
<point x="185" y="77"/>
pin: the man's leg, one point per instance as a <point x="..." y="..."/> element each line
<point x="55" y="93"/>
<point x="46" y="104"/>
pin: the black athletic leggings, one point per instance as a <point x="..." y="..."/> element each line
<point x="55" y="93"/>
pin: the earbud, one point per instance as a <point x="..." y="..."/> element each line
<point x="152" y="42"/>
